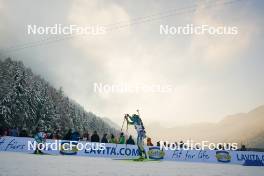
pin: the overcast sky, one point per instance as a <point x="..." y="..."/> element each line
<point x="213" y="76"/>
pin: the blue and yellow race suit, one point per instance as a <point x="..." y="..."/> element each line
<point x="141" y="133"/>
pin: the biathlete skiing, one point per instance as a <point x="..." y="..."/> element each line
<point x="141" y="133"/>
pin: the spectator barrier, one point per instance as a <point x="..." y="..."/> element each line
<point x="122" y="151"/>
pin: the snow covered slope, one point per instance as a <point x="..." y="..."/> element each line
<point x="21" y="164"/>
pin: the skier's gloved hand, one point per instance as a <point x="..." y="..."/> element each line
<point x="126" y="116"/>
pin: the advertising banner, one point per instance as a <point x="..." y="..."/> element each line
<point x="123" y="151"/>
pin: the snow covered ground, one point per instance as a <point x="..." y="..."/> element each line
<point x="22" y="164"/>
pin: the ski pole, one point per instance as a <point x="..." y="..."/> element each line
<point x="127" y="127"/>
<point x="123" y="125"/>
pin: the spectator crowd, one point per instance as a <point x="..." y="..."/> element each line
<point x="76" y="136"/>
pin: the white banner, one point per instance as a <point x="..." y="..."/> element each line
<point x="20" y="144"/>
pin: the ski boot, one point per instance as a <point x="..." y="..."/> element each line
<point x="141" y="158"/>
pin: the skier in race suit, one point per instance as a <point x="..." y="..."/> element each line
<point x="141" y="133"/>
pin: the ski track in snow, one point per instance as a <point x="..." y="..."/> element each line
<point x="21" y="164"/>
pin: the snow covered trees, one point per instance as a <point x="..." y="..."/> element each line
<point x="27" y="100"/>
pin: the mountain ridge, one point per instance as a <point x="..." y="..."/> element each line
<point x="243" y="128"/>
